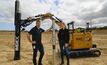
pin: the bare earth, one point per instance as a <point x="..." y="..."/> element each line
<point x="7" y="50"/>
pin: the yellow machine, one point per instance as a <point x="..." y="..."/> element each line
<point x="81" y="42"/>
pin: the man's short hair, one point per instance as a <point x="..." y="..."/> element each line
<point x="38" y="20"/>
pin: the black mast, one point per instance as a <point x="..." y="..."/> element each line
<point x="17" y="30"/>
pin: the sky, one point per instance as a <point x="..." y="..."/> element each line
<point x="80" y="11"/>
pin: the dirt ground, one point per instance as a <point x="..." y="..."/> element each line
<point x="7" y="50"/>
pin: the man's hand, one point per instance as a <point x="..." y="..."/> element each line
<point x="34" y="43"/>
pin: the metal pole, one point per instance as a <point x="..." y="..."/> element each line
<point x="87" y="26"/>
<point x="53" y="40"/>
<point x="17" y="30"/>
<point x="73" y="26"/>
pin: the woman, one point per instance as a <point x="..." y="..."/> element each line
<point x="63" y="37"/>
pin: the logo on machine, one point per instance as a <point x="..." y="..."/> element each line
<point x="88" y="39"/>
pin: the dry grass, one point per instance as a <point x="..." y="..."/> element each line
<point x="7" y="50"/>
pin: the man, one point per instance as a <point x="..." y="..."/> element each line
<point x="63" y="37"/>
<point x="36" y="34"/>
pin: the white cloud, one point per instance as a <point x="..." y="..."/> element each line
<point x="80" y="11"/>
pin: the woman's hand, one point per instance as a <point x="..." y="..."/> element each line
<point x="33" y="42"/>
<point x="66" y="45"/>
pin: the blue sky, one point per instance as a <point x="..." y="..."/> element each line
<point x="80" y="11"/>
<point x="6" y="26"/>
